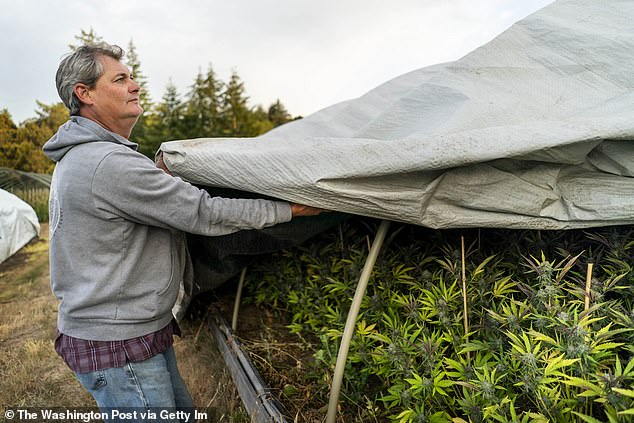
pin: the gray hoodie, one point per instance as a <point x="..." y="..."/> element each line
<point x="116" y="228"/>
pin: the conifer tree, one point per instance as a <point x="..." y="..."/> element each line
<point x="166" y="121"/>
<point x="85" y="38"/>
<point x="277" y="114"/>
<point x="237" y="117"/>
<point x="202" y="111"/>
<point x="169" y="113"/>
<point x="133" y="62"/>
<point x="261" y="119"/>
<point x="140" y="131"/>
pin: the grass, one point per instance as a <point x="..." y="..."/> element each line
<point x="33" y="375"/>
<point x="36" y="198"/>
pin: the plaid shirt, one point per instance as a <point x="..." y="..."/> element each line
<point x="85" y="356"/>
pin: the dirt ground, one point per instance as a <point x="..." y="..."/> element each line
<point x="33" y="375"/>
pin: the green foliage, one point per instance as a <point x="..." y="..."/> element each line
<point x="85" y="38"/>
<point x="202" y="114"/>
<point x="133" y="62"/>
<point x="33" y="188"/>
<point x="533" y="353"/>
<point x="277" y="113"/>
<point x="37" y="198"/>
<point x="21" y="146"/>
<point x="140" y="132"/>
<point x="237" y="118"/>
<point x="212" y="108"/>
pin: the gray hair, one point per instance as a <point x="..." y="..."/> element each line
<point x="82" y="66"/>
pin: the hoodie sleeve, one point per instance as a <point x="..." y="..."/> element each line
<point x="128" y="185"/>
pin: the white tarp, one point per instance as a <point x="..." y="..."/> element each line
<point x="535" y="129"/>
<point x="18" y="224"/>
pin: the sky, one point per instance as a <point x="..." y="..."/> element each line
<point x="307" y="54"/>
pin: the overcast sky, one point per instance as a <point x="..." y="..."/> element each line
<point x="309" y="54"/>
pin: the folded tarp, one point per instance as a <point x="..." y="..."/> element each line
<point x="18" y="224"/>
<point x="535" y="129"/>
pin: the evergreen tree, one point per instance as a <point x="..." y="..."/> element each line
<point x="166" y="122"/>
<point x="261" y="119"/>
<point x="140" y="131"/>
<point x="85" y="38"/>
<point x="202" y="111"/>
<point x="238" y="119"/>
<point x="133" y="62"/>
<point x="277" y="114"/>
<point x="170" y="113"/>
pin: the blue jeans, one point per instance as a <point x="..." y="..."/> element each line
<point x="154" y="384"/>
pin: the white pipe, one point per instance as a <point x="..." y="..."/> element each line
<point x="236" y="304"/>
<point x="348" y="331"/>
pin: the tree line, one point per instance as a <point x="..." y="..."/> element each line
<point x="211" y="108"/>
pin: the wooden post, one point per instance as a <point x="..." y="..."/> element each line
<point x="588" y="285"/>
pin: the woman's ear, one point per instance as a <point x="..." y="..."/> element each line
<point x="82" y="92"/>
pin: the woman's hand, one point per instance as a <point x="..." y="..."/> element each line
<point x="160" y="163"/>
<point x="302" y="210"/>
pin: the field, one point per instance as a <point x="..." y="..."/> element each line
<point x="546" y="338"/>
<point x="33" y="375"/>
